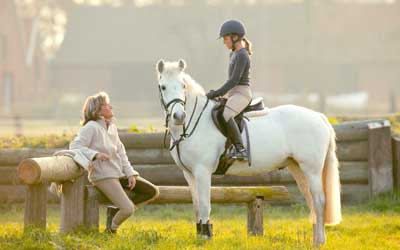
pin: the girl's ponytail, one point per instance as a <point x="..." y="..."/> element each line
<point x="248" y="45"/>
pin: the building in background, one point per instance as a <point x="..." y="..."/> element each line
<point x="23" y="68"/>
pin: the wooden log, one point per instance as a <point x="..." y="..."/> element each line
<point x="350" y="193"/>
<point x="396" y="162"/>
<point x="255" y="217"/>
<point x="347" y="151"/>
<point x="144" y="141"/>
<point x="12" y="157"/>
<point x="352" y="151"/>
<point x="8" y="176"/>
<point x="35" y="206"/>
<point x="171" y="175"/>
<point x="53" y="168"/>
<point x="353" y="130"/>
<point x="380" y="158"/>
<point x="17" y="194"/>
<point x="72" y="205"/>
<point x="149" y="156"/>
<point x="91" y="212"/>
<point x="179" y="194"/>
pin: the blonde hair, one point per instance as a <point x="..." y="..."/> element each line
<point x="248" y="45"/>
<point x="91" y="108"/>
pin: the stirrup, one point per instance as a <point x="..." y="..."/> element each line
<point x="239" y="155"/>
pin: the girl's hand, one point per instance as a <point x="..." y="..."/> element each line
<point x="131" y="182"/>
<point x="212" y="94"/>
<point x="102" y="156"/>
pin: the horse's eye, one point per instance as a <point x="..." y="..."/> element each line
<point x="163" y="87"/>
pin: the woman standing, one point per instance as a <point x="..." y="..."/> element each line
<point x="110" y="169"/>
<point x="237" y="87"/>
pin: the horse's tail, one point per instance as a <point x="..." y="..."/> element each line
<point x="331" y="181"/>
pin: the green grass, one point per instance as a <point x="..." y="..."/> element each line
<point x="373" y="225"/>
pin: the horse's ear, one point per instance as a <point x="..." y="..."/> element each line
<point x="160" y="66"/>
<point x="182" y="64"/>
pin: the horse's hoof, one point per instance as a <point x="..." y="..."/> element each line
<point x="206" y="231"/>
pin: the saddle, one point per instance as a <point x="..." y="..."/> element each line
<point x="255" y="108"/>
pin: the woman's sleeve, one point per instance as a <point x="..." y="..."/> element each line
<point x="126" y="165"/>
<point x="241" y="61"/>
<point x="82" y="141"/>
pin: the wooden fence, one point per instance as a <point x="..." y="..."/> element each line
<point x="364" y="151"/>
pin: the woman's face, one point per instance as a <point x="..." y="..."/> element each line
<point x="106" y="111"/>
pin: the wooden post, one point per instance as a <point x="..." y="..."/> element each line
<point x="91" y="208"/>
<point x="72" y="205"/>
<point x="255" y="217"/>
<point x="35" y="205"/>
<point x="396" y="162"/>
<point x="380" y="158"/>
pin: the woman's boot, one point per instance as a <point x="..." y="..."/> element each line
<point x="239" y="152"/>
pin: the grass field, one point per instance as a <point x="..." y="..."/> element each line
<point x="373" y="225"/>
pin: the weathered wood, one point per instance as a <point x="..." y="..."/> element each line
<point x="53" y="168"/>
<point x="72" y="205"/>
<point x="12" y="157"/>
<point x="144" y="141"/>
<point x="255" y="217"/>
<point x="347" y="151"/>
<point x="350" y="193"/>
<point x="8" y="176"/>
<point x="35" y="206"/>
<point x="180" y="194"/>
<point x="91" y="213"/>
<point x="380" y="157"/>
<point x="149" y="156"/>
<point x="352" y="151"/>
<point x="396" y="162"/>
<point x="171" y="175"/>
<point x="351" y="131"/>
<point x="17" y="193"/>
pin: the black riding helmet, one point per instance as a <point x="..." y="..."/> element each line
<point x="231" y="27"/>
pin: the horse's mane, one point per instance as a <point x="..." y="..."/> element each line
<point x="172" y="68"/>
<point x="193" y="86"/>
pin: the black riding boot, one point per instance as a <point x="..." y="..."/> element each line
<point x="111" y="211"/>
<point x="239" y="152"/>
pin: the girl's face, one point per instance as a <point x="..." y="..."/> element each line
<point x="228" y="40"/>
<point x="106" y="111"/>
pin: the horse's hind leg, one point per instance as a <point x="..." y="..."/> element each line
<point x="304" y="188"/>
<point x="314" y="177"/>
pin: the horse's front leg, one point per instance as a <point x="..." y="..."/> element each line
<point x="195" y="199"/>
<point x="202" y="177"/>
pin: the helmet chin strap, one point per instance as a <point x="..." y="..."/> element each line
<point x="234" y="42"/>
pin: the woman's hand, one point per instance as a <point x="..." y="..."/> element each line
<point x="131" y="182"/>
<point x="212" y="94"/>
<point x="102" y="157"/>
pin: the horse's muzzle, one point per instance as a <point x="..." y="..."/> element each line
<point x="179" y="117"/>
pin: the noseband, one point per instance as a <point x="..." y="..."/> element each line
<point x="184" y="135"/>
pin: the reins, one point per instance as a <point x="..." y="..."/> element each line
<point x="184" y="135"/>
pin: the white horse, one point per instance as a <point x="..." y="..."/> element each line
<point x="289" y="135"/>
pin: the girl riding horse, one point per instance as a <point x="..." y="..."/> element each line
<point x="237" y="87"/>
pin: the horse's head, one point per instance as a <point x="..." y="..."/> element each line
<point x="172" y="89"/>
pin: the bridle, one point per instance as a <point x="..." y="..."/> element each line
<point x="184" y="135"/>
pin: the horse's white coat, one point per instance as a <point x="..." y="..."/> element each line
<point x="288" y="135"/>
